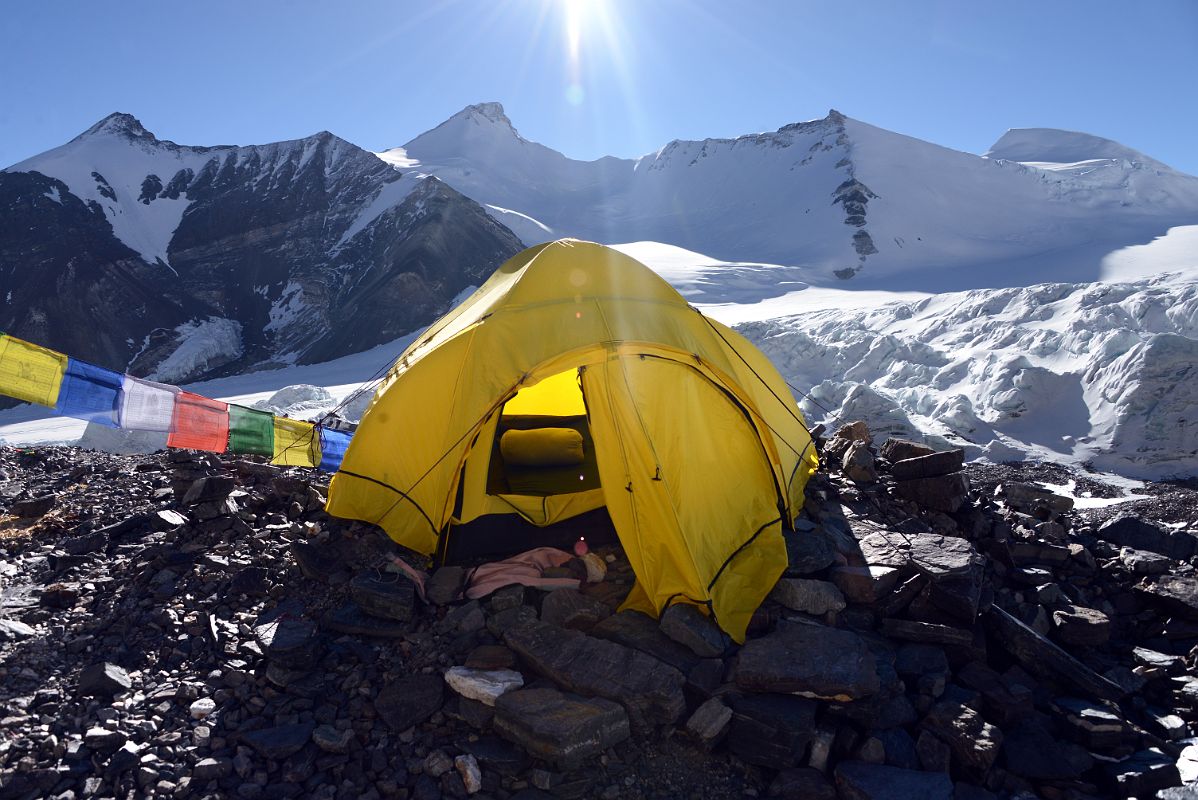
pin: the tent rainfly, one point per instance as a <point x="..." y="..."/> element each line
<point x="576" y="384"/>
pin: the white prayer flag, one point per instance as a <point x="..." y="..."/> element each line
<point x="146" y="405"/>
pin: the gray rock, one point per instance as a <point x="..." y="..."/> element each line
<point x="649" y="689"/>
<point x="288" y="641"/>
<point x="103" y="680"/>
<point x="895" y="450"/>
<point x="353" y="619"/>
<point x="856" y="780"/>
<point x="1177" y="593"/>
<point x="641" y="632"/>
<point x="1034" y="500"/>
<point x="34" y="507"/>
<point x="866" y="585"/>
<point x="570" y="608"/>
<point x="1144" y="562"/>
<point x="808" y="596"/>
<point x="280" y="741"/>
<point x="564" y="729"/>
<point x="709" y="723"/>
<point x="809" y="551"/>
<point x="973" y="741"/>
<point x="1131" y="531"/>
<point x="410" y="701"/>
<point x="694" y="630"/>
<point x="771" y="730"/>
<point x="445" y="585"/>
<point x="932" y="465"/>
<point x="331" y="739"/>
<point x="810" y="660"/>
<point x="12" y="630"/>
<point x="912" y="631"/>
<point x="1085" y="627"/>
<point x="104" y="740"/>
<point x="858" y="464"/>
<point x="945" y="493"/>
<point x="1143" y="773"/>
<point x="1040" y="656"/>
<point x="211" y="769"/>
<point x="387" y="599"/>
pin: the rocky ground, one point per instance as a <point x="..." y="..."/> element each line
<point x="190" y="625"/>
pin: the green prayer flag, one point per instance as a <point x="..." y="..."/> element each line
<point x="251" y="431"/>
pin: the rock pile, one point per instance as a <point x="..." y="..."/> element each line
<point x="188" y="625"/>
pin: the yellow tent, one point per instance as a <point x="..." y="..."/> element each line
<point x="575" y="380"/>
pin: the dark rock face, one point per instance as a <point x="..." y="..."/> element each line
<point x="409" y="701"/>
<point x="856" y="780"/>
<point x="649" y="689"/>
<point x="811" y="660"/>
<point x="1131" y="531"/>
<point x="313" y="248"/>
<point x="566" y="730"/>
<point x="771" y="730"/>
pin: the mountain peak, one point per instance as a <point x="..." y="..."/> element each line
<point x="490" y="112"/>
<point x="117" y="124"/>
<point x="1051" y="145"/>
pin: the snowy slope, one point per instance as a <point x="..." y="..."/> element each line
<point x="838" y="196"/>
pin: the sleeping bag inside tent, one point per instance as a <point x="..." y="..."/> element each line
<point x="577" y="391"/>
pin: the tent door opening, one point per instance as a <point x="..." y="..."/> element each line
<point x="542" y="486"/>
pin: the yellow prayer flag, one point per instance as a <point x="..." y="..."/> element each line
<point x="29" y="372"/>
<point x="297" y="443"/>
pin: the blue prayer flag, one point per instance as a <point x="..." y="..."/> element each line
<point x="90" y="392"/>
<point x="332" y="448"/>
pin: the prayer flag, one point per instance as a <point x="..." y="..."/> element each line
<point x="29" y="372"/>
<point x="199" y="424"/>
<point x="91" y="393"/>
<point x="146" y="405"/>
<point x="332" y="448"/>
<point x="251" y="431"/>
<point x="296" y="443"/>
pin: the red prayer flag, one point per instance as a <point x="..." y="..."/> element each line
<point x="199" y="423"/>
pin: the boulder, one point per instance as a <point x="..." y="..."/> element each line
<point x="945" y="493"/>
<point x="445" y="585"/>
<point x="973" y="741"/>
<point x="1034" y="500"/>
<point x="1131" y="531"/>
<point x="564" y="729"/>
<point x="694" y="630"/>
<point x="895" y="450"/>
<point x="932" y="465"/>
<point x="771" y="730"/>
<point x="1042" y="657"/>
<point x="288" y="641"/>
<point x="387" y="599"/>
<point x="1176" y="593"/>
<point x="809" y="551"/>
<point x="103" y="680"/>
<point x="409" y="701"/>
<point x="570" y="608"/>
<point x="649" y="689"/>
<point x="279" y="742"/>
<point x="858" y="463"/>
<point x="808" y="596"/>
<point x="641" y="632"/>
<point x="709" y="723"/>
<point x="809" y="660"/>
<point x="1080" y="626"/>
<point x="856" y="431"/>
<point x="866" y="585"/>
<point x="1143" y="774"/>
<point x="856" y="780"/>
<point x="485" y="686"/>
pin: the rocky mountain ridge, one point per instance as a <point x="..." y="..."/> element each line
<point x="133" y="252"/>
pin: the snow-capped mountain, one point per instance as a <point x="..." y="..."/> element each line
<point x="178" y="261"/>
<point x="836" y="195"/>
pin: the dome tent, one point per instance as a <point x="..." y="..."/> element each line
<point x="636" y="405"/>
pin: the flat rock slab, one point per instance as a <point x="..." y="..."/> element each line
<point x="387" y="599"/>
<point x="694" y="630"/>
<point x="856" y="780"/>
<point x="410" y="701"/>
<point x="352" y="619"/>
<point x="945" y="493"/>
<point x="13" y="630"/>
<point x="485" y="686"/>
<point x="810" y="660"/>
<point x="932" y="465"/>
<point x="973" y="741"/>
<point x="648" y="688"/>
<point x="809" y="551"/>
<point x="564" y="729"/>
<point x="279" y="742"/>
<point x="570" y="608"/>
<point x="1176" y="593"/>
<point x="808" y="596"/>
<point x="771" y="730"/>
<point x="912" y="631"/>
<point x="288" y="641"/>
<point x="895" y="450"/>
<point x="1042" y="657"/>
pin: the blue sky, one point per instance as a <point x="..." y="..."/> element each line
<point x="595" y="77"/>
